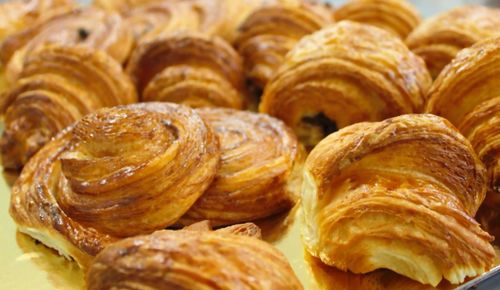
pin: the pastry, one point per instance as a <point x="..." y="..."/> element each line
<point x="259" y="173"/>
<point x="396" y="16"/>
<point x="94" y="28"/>
<point x="438" y="39"/>
<point x="400" y="195"/>
<point x="58" y="86"/>
<point x="467" y="93"/>
<point x="331" y="79"/>
<point x="188" y="68"/>
<point x="119" y="172"/>
<point x="270" y="32"/>
<point x="191" y="260"/>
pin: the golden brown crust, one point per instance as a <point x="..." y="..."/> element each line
<point x="89" y="27"/>
<point x="396" y="16"/>
<point x="345" y="79"/>
<point x="398" y="194"/>
<point x="270" y="32"/>
<point x="57" y="87"/>
<point x="258" y="175"/>
<point x="118" y="172"/>
<point x="466" y="93"/>
<point x="191" y="260"/>
<point x="438" y="39"/>
<point x="188" y="68"/>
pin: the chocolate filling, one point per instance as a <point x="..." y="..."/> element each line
<point x="321" y="120"/>
<point x="83" y="33"/>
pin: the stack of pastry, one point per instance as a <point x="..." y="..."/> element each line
<point x="109" y="183"/>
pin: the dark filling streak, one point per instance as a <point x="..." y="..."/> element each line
<point x="321" y="120"/>
<point x="83" y="33"/>
<point x="254" y="90"/>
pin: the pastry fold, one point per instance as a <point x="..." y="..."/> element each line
<point x="467" y="93"/>
<point x="118" y="172"/>
<point x="188" y="68"/>
<point x="438" y="39"/>
<point x="57" y="87"/>
<point x="267" y="35"/>
<point x="259" y="174"/>
<point x="400" y="195"/>
<point x="191" y="260"/>
<point x="396" y="16"/>
<point x="331" y="79"/>
<point x="94" y="28"/>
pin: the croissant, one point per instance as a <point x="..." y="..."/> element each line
<point x="466" y="93"/>
<point x="438" y="39"/>
<point x="270" y="32"/>
<point x="331" y="79"/>
<point x="188" y="68"/>
<point x="259" y="172"/>
<point x="191" y="260"/>
<point x="396" y="16"/>
<point x="400" y="195"/>
<point x="119" y="172"/>
<point x="58" y="86"/>
<point x="88" y="27"/>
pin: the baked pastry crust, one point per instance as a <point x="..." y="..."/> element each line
<point x="188" y="68"/>
<point x="398" y="194"/>
<point x="97" y="29"/>
<point x="396" y="16"/>
<point x="192" y="260"/>
<point x="267" y="35"/>
<point x="118" y="172"/>
<point x="438" y="39"/>
<point x="57" y="87"/>
<point x="346" y="79"/>
<point x="259" y="174"/>
<point x="466" y="93"/>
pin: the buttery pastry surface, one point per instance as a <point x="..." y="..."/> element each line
<point x="270" y="32"/>
<point x="91" y="27"/>
<point x="188" y="68"/>
<point x="191" y="260"/>
<point x="118" y="172"/>
<point x="467" y="93"/>
<point x="396" y="16"/>
<point x="331" y="79"/>
<point x="398" y="194"/>
<point x="259" y="171"/>
<point x="58" y="86"/>
<point x="438" y="39"/>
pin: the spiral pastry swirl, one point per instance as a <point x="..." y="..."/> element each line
<point x="396" y="16"/>
<point x="188" y="68"/>
<point x="89" y="27"/>
<point x="400" y="195"/>
<point x="466" y="93"/>
<point x="438" y="39"/>
<point x="191" y="260"/>
<point x="270" y="32"/>
<point x="118" y="172"/>
<point x="259" y="171"/>
<point x="330" y="80"/>
<point x="58" y="86"/>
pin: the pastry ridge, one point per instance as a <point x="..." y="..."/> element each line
<point x="384" y="195"/>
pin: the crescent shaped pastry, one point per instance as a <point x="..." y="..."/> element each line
<point x="58" y="86"/>
<point x="331" y="79"/>
<point x="187" y="259"/>
<point x="438" y="39"/>
<point x="396" y="16"/>
<point x="270" y="32"/>
<point x="188" y="68"/>
<point x="118" y="172"/>
<point x="89" y="27"/>
<point x="467" y="93"/>
<point x="259" y="172"/>
<point x="400" y="195"/>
